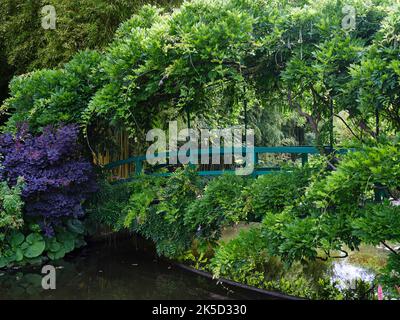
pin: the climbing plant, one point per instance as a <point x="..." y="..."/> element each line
<point x="211" y="59"/>
<point x="341" y="209"/>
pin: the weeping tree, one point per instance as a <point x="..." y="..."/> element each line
<point x="160" y="65"/>
<point x="214" y="59"/>
<point x="375" y="80"/>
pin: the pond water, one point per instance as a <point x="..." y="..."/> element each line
<point x="129" y="269"/>
<point x="345" y="274"/>
<point x="118" y="271"/>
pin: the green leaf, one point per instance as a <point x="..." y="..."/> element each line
<point x="19" y="255"/>
<point x="69" y="245"/>
<point x="24" y="245"/>
<point x="3" y="262"/>
<point x="56" y="255"/>
<point x="33" y="279"/>
<point x="54" y="246"/>
<point x="63" y="236"/>
<point x="79" y="243"/>
<point x="76" y="226"/>
<point x="16" y="239"/>
<point x="35" y="249"/>
<point x="34" y="237"/>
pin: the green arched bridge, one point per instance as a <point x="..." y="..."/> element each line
<point x="297" y="151"/>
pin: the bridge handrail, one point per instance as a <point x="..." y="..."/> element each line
<point x="303" y="150"/>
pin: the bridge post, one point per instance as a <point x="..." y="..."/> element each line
<point x="304" y="159"/>
<point x="138" y="167"/>
<point x="255" y="159"/>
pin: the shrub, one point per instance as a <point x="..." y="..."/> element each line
<point x="108" y="205"/>
<point x="245" y="259"/>
<point x="272" y="192"/>
<point x="339" y="210"/>
<point x="29" y="246"/>
<point x="175" y="211"/>
<point x="57" y="179"/>
<point x="48" y="97"/>
<point x="11" y="206"/>
<point x="44" y="183"/>
<point x="390" y="278"/>
<point x="156" y="211"/>
<point x="221" y="204"/>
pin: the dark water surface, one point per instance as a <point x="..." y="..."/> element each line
<point x="118" y="271"/>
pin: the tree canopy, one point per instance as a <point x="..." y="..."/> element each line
<point x="26" y="46"/>
<point x="212" y="58"/>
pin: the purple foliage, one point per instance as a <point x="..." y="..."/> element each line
<point x="57" y="177"/>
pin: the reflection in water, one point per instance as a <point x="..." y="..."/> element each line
<point x="346" y="274"/>
<point x="115" y="272"/>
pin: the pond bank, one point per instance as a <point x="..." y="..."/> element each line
<point x="116" y="271"/>
<point x="119" y="266"/>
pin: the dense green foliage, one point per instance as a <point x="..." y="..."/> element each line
<point x="44" y="182"/>
<point x="29" y="246"/>
<point x="245" y="259"/>
<point x="11" y="221"/>
<point x="324" y="212"/>
<point x="287" y="67"/>
<point x="391" y="276"/>
<point x="21" y="240"/>
<point x="90" y="24"/>
<point x="210" y="57"/>
<point x="11" y="206"/>
<point x="221" y="204"/>
<point x="271" y="193"/>
<point x="339" y="209"/>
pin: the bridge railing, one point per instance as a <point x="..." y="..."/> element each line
<point x="254" y="152"/>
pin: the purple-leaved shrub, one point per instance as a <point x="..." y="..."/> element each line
<point x="57" y="177"/>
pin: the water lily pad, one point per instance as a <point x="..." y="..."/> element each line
<point x="53" y="245"/>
